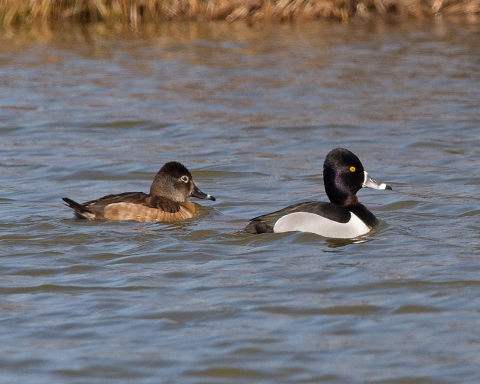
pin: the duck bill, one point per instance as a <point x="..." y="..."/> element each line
<point x="368" y="182"/>
<point x="201" y="195"/>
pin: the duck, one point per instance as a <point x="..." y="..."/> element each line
<point x="166" y="202"/>
<point x="344" y="217"/>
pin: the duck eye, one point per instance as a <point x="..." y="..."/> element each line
<point x="352" y="169"/>
<point x="184" y="179"/>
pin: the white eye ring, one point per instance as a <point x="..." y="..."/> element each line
<point x="184" y="179"/>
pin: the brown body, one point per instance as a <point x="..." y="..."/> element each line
<point x="142" y="213"/>
<point x="166" y="201"/>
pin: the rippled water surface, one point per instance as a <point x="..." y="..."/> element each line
<point x="252" y="111"/>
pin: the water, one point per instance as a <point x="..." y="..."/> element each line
<point x="252" y="111"/>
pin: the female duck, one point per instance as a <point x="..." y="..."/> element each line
<point x="166" y="201"/>
<point x="344" y="217"/>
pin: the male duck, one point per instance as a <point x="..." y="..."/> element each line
<point x="166" y="201"/>
<point x="344" y="217"/>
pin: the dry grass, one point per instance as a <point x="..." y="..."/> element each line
<point x="135" y="11"/>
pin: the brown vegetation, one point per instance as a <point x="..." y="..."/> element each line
<point x="135" y="11"/>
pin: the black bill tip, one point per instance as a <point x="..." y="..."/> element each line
<point x="201" y="195"/>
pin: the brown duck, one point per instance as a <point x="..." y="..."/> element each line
<point x="166" y="201"/>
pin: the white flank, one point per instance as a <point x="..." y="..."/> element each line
<point x="310" y="222"/>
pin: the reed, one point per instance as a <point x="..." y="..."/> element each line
<point x="136" y="11"/>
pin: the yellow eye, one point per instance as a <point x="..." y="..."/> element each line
<point x="352" y="169"/>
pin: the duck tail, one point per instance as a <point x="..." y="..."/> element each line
<point x="80" y="211"/>
<point x="257" y="226"/>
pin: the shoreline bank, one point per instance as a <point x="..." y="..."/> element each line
<point x="138" y="11"/>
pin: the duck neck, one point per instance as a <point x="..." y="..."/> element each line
<point x="351" y="201"/>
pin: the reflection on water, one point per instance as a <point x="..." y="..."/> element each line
<point x="252" y="112"/>
<point x="236" y="75"/>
